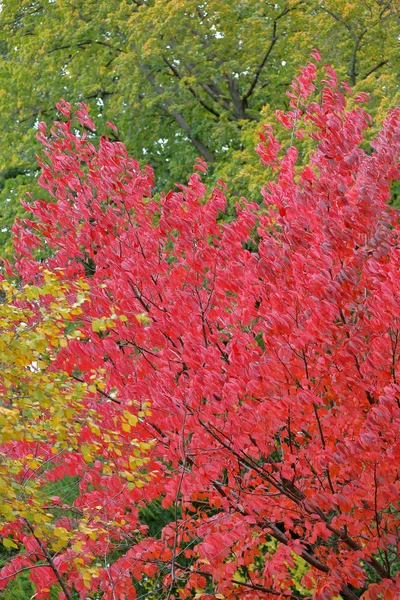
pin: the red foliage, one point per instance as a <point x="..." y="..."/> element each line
<point x="273" y="374"/>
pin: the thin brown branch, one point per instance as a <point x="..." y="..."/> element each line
<point x="261" y="588"/>
<point x="274" y="39"/>
<point x="338" y="20"/>
<point x="85" y="43"/>
<point x="50" y="561"/>
<point x="178" y="491"/>
<point x="101" y="392"/>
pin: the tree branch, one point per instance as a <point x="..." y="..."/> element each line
<point x="294" y="494"/>
<point x="165" y="107"/>
<point x="216" y="94"/>
<point x="50" y="561"/>
<point x="183" y="124"/>
<point x="339" y="20"/>
<point x="86" y="43"/>
<point x="353" y="60"/>
<point x="378" y="66"/>
<point x="274" y="39"/>
<point x="191" y="89"/>
<point x="237" y="102"/>
<point x="178" y="491"/>
<point x="101" y="392"/>
<point x="261" y="588"/>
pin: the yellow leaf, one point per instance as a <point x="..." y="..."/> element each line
<point x="61" y="533"/>
<point x="132" y="419"/>
<point x="7" y="543"/>
<point x="86" y="578"/>
<point x="99" y="325"/>
<point x="92" y="533"/>
<point x="128" y="476"/>
<point x="95" y="429"/>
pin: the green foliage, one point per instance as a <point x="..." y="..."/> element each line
<point x="156" y="517"/>
<point x="19" y="589"/>
<point x="179" y="78"/>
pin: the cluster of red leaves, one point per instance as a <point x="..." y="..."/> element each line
<point x="273" y="374"/>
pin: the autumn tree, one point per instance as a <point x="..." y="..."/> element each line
<point x="180" y="79"/>
<point x="267" y="349"/>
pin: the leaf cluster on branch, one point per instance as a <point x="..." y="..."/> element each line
<point x="267" y="350"/>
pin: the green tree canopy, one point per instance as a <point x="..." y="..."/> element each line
<point x="179" y="78"/>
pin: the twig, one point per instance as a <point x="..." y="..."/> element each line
<point x="178" y="491"/>
<point x="50" y="561"/>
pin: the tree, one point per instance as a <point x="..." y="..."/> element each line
<point x="267" y="348"/>
<point x="55" y="439"/>
<point x="180" y="79"/>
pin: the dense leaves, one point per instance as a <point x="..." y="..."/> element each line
<point x="55" y="437"/>
<point x="179" y="78"/>
<point x="268" y="349"/>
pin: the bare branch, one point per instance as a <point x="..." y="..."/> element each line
<point x="166" y="107"/>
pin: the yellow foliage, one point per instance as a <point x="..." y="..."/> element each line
<point x="42" y="406"/>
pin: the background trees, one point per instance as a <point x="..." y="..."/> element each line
<point x="264" y="346"/>
<point x="180" y="79"/>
